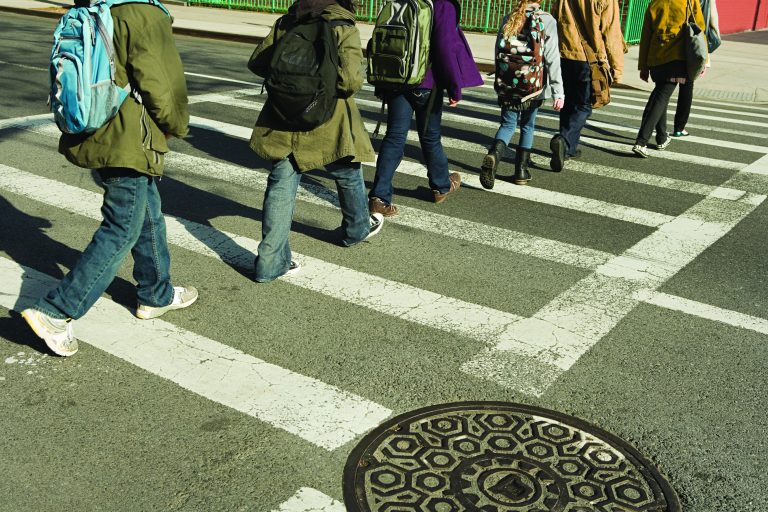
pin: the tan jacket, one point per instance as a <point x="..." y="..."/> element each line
<point x="603" y="32"/>
<point x="662" y="39"/>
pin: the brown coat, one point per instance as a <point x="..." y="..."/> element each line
<point x="603" y="31"/>
<point x="662" y="39"/>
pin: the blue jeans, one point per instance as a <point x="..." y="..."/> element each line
<point x="274" y="256"/>
<point x="577" y="84"/>
<point x="400" y="109"/>
<point x="509" y="119"/>
<point x="132" y="223"/>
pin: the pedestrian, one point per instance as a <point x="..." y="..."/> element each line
<point x="452" y="69"/>
<point x="128" y="156"/>
<point x="522" y="51"/>
<point x="685" y="92"/>
<point x="339" y="144"/>
<point x="579" y="22"/>
<point x="662" y="58"/>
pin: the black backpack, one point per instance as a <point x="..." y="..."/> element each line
<point x="303" y="72"/>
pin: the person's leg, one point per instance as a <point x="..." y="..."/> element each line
<point x="578" y="103"/>
<point x="355" y="221"/>
<point x="399" y="113"/>
<point x="429" y="137"/>
<point x="498" y="148"/>
<point x="123" y="210"/>
<point x="684" y="103"/>
<point x="151" y="259"/>
<point x="656" y="107"/>
<point x="527" y="127"/>
<point x="274" y="258"/>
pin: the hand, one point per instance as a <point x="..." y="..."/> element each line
<point x="644" y="74"/>
<point x="557" y="104"/>
<point x="452" y="102"/>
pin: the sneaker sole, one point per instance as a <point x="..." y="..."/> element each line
<point x="41" y="334"/>
<point x="155" y="314"/>
<point x="638" y="153"/>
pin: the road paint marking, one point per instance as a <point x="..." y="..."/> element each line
<point x="759" y="166"/>
<point x="24" y="66"/>
<point x="234" y="99"/>
<point x="27" y="122"/>
<point x="557" y="335"/>
<point x="444" y="225"/>
<point x="393" y="298"/>
<point x="559" y="199"/>
<point x="317" y="412"/>
<point x="696" y="106"/>
<point x="701" y="310"/>
<point x="311" y="500"/>
<point x="222" y="79"/>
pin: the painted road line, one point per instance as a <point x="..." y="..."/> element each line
<point x="543" y="196"/>
<point x="701" y="310"/>
<point x="27" y="122"/>
<point x="311" y="500"/>
<point x="743" y="108"/>
<point x="237" y="101"/>
<point x="557" y="335"/>
<point x="444" y="225"/>
<point x="23" y="66"/>
<point x="559" y="199"/>
<point x="392" y="298"/>
<point x="758" y="166"/>
<point x="317" y="412"/>
<point x="222" y="79"/>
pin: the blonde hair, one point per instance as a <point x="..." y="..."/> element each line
<point x="516" y="19"/>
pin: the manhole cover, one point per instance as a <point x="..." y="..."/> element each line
<point x="499" y="457"/>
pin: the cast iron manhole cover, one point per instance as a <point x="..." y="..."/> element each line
<point x="499" y="457"/>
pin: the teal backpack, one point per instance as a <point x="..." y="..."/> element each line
<point x="84" y="95"/>
<point x="398" y="51"/>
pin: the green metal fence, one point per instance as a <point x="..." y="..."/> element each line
<point x="476" y="15"/>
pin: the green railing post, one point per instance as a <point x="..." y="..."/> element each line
<point x="487" y="15"/>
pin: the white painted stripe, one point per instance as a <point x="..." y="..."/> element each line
<point x="26" y="122"/>
<point x="444" y="225"/>
<point x="736" y="110"/>
<point x="323" y="415"/>
<point x="562" y="331"/>
<point x="222" y="79"/>
<point x="702" y="310"/>
<point x="759" y="166"/>
<point x="23" y="66"/>
<point x="366" y="290"/>
<point x="311" y="500"/>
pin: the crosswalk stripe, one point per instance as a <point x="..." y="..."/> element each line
<point x="558" y="334"/>
<point x="317" y="412"/>
<point x="235" y="99"/>
<point x="690" y="307"/>
<point x="310" y="500"/>
<point x="694" y="107"/>
<point x="474" y="232"/>
<point x="378" y="294"/>
<point x="758" y="166"/>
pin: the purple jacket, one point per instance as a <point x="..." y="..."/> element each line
<point x="453" y="66"/>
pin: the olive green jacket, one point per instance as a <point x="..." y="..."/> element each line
<point x="662" y="39"/>
<point x="135" y="137"/>
<point x="344" y="134"/>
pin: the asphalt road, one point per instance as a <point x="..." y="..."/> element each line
<point x="628" y="292"/>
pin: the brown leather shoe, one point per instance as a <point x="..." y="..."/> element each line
<point x="455" y="185"/>
<point x="376" y="205"/>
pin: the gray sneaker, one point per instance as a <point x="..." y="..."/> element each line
<point x="640" y="150"/>
<point x="663" y="145"/>
<point x="182" y="297"/>
<point x="56" y="333"/>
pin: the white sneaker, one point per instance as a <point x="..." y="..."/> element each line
<point x="56" y="333"/>
<point x="377" y="221"/>
<point x="640" y="151"/>
<point x="182" y="297"/>
<point x="663" y="145"/>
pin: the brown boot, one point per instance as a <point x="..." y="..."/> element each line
<point x="491" y="162"/>
<point x="376" y="205"/>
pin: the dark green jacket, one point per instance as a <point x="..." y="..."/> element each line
<point x="135" y="138"/>
<point x="344" y="134"/>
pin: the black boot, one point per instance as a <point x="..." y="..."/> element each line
<point x="491" y="162"/>
<point x="557" y="146"/>
<point x="522" y="176"/>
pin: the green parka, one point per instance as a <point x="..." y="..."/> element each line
<point x="344" y="134"/>
<point x="135" y="138"/>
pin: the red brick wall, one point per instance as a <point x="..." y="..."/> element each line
<point x="741" y="15"/>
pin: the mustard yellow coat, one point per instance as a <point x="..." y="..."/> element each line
<point x="662" y="39"/>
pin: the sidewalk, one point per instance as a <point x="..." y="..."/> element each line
<point x="737" y="72"/>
